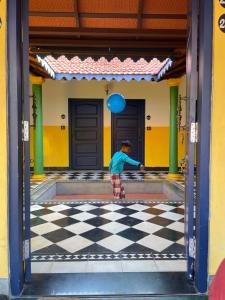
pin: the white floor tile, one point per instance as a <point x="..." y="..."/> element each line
<point x="114" y="227"/>
<point x="139" y="266"/>
<point x="104" y="266"/>
<point x="69" y="267"/>
<point x="79" y="228"/>
<point x="32" y="216"/>
<point x="112" y="207"/>
<point x="112" y="216"/>
<point x="35" y="207"/>
<point x="75" y="243"/>
<point x="164" y="207"/>
<point x="85" y="207"/>
<point x="155" y="243"/>
<point x="41" y="267"/>
<point x="142" y="216"/>
<point x="83" y="216"/>
<point x="39" y="242"/>
<point x="171" y="265"/>
<point x="59" y="207"/>
<point x="171" y="216"/>
<point x="115" y="243"/>
<point x="110" y="266"/>
<point x="53" y="217"/>
<point x="139" y="207"/>
<point x="45" y="228"/>
<point x="181" y="241"/>
<point x="147" y="227"/>
<point x="178" y="226"/>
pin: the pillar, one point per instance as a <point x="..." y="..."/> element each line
<point x="38" y="128"/>
<point x="4" y="212"/>
<point x="173" y="143"/>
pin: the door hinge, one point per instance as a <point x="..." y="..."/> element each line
<point x="192" y="247"/>
<point x="25" y="131"/>
<point x="26" y="249"/>
<point x="194" y="133"/>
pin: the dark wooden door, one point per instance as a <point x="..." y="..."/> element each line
<point x="86" y="134"/>
<point x="130" y="125"/>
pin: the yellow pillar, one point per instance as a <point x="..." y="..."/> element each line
<point x="217" y="170"/>
<point x="3" y="153"/>
<point x="173" y="146"/>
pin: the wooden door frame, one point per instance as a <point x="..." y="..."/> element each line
<point x="82" y="100"/>
<point x="143" y="101"/>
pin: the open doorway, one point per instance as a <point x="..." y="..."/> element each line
<point x="55" y="216"/>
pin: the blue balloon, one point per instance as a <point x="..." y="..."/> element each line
<point x="116" y="103"/>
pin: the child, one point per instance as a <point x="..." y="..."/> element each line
<point x="116" y="167"/>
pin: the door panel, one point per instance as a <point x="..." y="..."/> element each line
<point x="86" y="128"/>
<point x="129" y="125"/>
<point x="192" y="92"/>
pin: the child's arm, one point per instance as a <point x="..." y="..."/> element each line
<point x="131" y="161"/>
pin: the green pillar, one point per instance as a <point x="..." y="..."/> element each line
<point x="38" y="128"/>
<point x="173" y="143"/>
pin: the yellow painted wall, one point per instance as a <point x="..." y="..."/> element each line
<point x="156" y="95"/>
<point x="3" y="152"/>
<point x="217" y="174"/>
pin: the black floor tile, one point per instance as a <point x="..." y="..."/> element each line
<point x="129" y="221"/>
<point x="136" y="248"/>
<point x="65" y="222"/>
<point x="42" y="212"/>
<point x="169" y="234"/>
<point x="51" y="250"/>
<point x="178" y="210"/>
<point x="98" y="211"/>
<point x="70" y="212"/>
<point x="97" y="222"/>
<point x="94" y="249"/>
<point x="37" y="221"/>
<point x="160" y="221"/>
<point x="132" y="234"/>
<point x="96" y="234"/>
<point x="154" y="211"/>
<point x="126" y="211"/>
<point x="58" y="235"/>
<point x="175" y="248"/>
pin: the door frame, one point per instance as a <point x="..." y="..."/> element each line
<point x="82" y="100"/>
<point x="143" y="101"/>
<point x="15" y="86"/>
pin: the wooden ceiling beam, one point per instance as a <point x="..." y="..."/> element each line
<point x="93" y="53"/>
<point x="68" y="42"/>
<point x="139" y="15"/>
<point x="108" y="15"/>
<point x="76" y="13"/>
<point x="108" y="32"/>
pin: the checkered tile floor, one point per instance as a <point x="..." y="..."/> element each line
<point x="104" y="175"/>
<point x="78" y="231"/>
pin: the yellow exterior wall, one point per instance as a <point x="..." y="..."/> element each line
<point x="217" y="174"/>
<point x="156" y="95"/>
<point x="3" y="152"/>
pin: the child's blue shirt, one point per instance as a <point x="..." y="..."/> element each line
<point x="118" y="160"/>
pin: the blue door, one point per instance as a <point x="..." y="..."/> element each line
<point x="191" y="127"/>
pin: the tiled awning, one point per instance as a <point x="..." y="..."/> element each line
<point x="75" y="68"/>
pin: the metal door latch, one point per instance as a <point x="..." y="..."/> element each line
<point x="26" y="249"/>
<point x="25" y="131"/>
<point x="192" y="247"/>
<point x="194" y="133"/>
